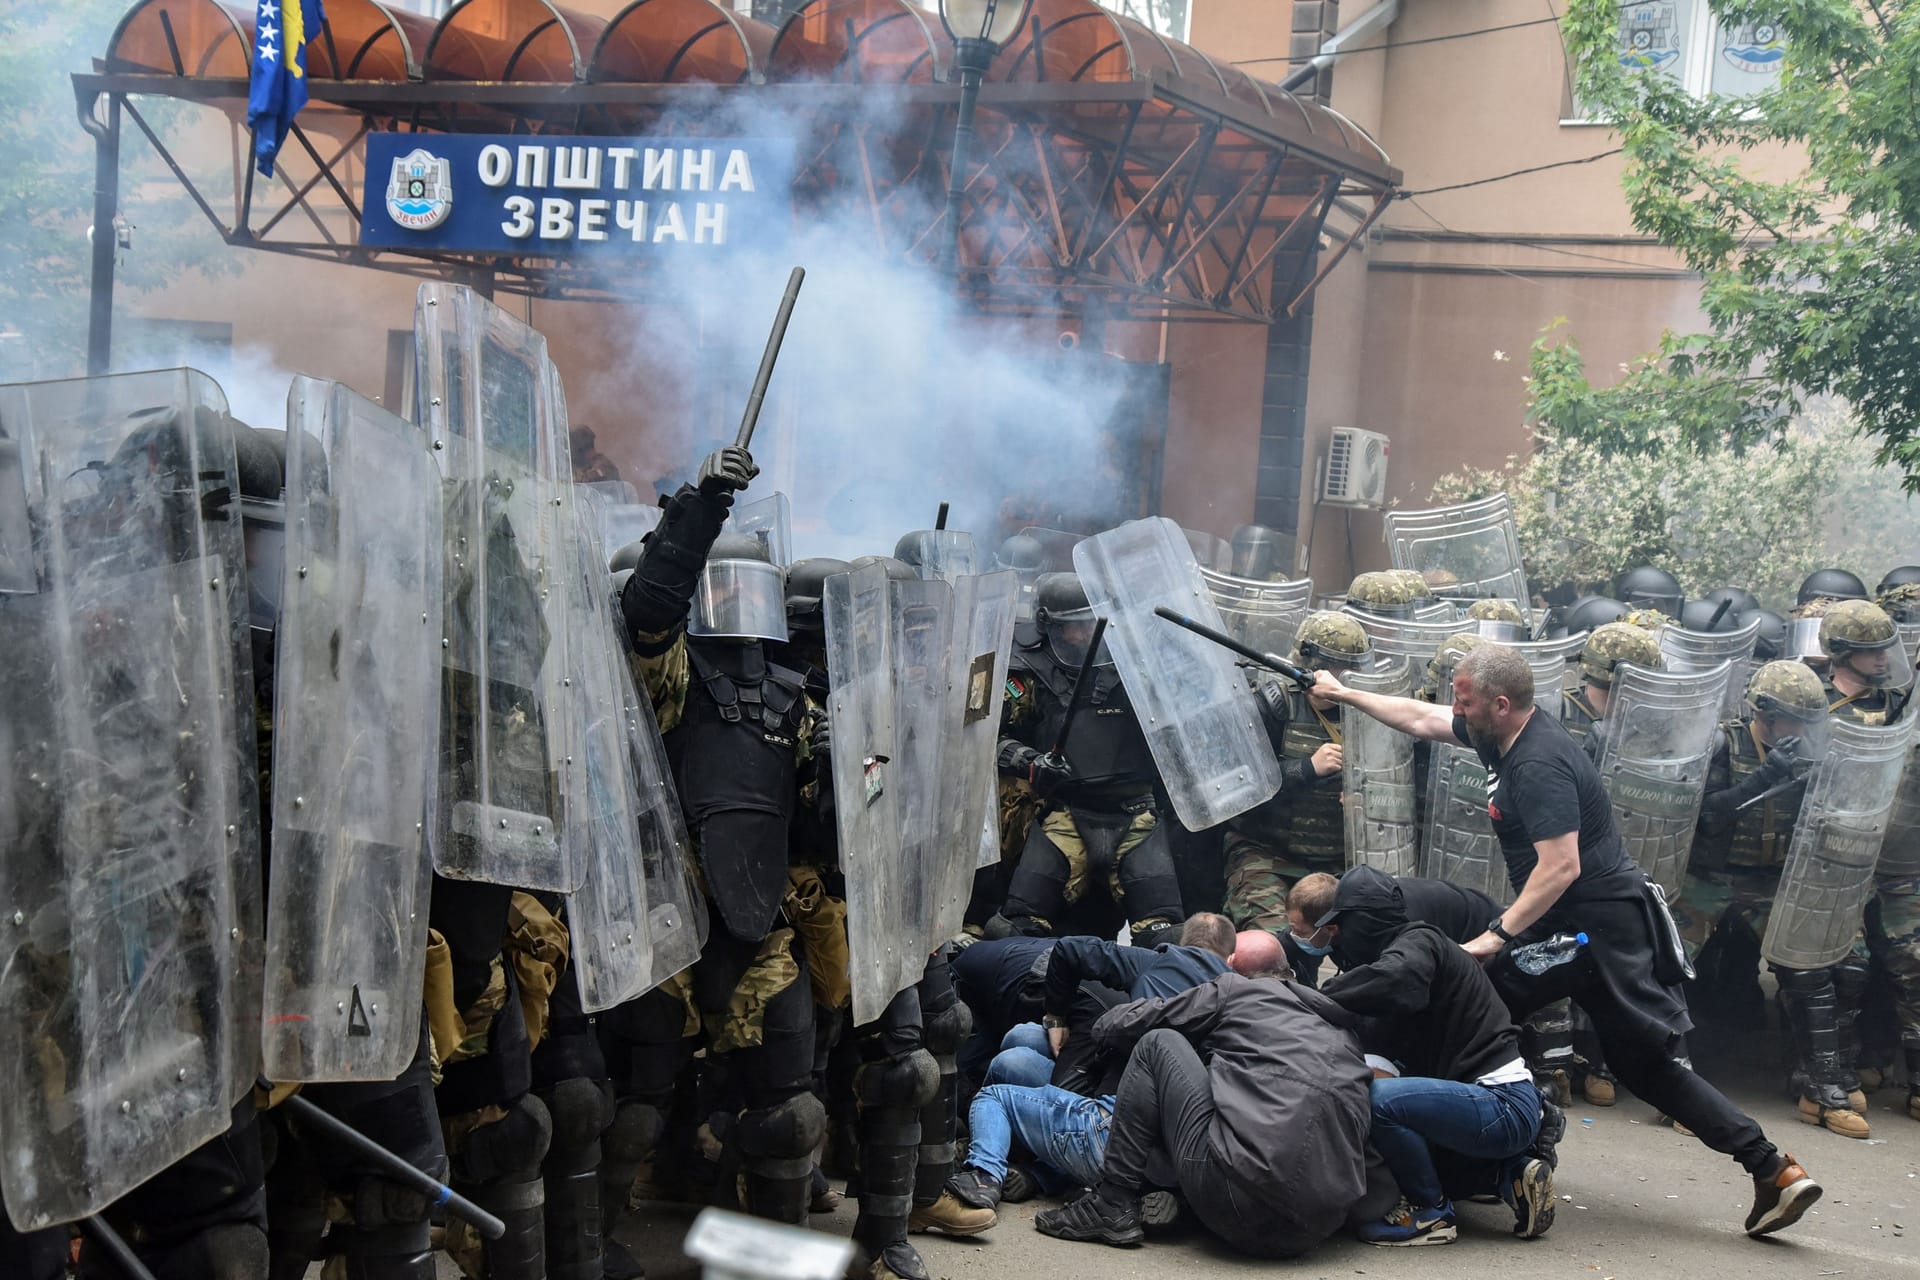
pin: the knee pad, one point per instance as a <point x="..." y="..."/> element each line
<point x="1850" y="978"/>
<point x="997" y="927"/>
<point x="947" y="1029"/>
<point x="1803" y="984"/>
<point x="515" y="1144"/>
<point x="783" y="1134"/>
<point x="578" y="1110"/>
<point x="910" y="1081"/>
<point x="634" y="1133"/>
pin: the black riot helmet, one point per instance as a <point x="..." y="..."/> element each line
<point x="1771" y="642"/>
<point x="1831" y="584"/>
<point x="1022" y="553"/>
<point x="1906" y="575"/>
<point x="1650" y="587"/>
<point x="806" y="584"/>
<point x="1065" y="618"/>
<point x="1589" y="613"/>
<point x="260" y="457"/>
<point x="1708" y="615"/>
<point x="1744" y="601"/>
<point x="1259" y="553"/>
<point x="897" y="570"/>
<point x="741" y="594"/>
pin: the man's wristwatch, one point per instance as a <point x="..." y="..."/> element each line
<point x="1498" y="930"/>
<point x="1052" y="1020"/>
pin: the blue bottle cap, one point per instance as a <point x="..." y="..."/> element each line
<point x="1580" y="938"/>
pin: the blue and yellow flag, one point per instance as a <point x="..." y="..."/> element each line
<point x="278" y="85"/>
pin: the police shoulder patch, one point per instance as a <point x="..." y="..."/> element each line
<point x="1016" y="687"/>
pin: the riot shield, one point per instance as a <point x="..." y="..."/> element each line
<point x="1657" y="741"/>
<point x="1686" y="650"/>
<point x="769" y="519"/>
<point x="1549" y="659"/>
<point x="1266" y="615"/>
<point x="888" y="649"/>
<point x="1193" y="703"/>
<point x="1828" y="876"/>
<point x="1211" y="552"/>
<point x="1410" y="638"/>
<point x="984" y="607"/>
<point x="622" y="525"/>
<point x="610" y="947"/>
<point x="945" y="554"/>
<point x="1472" y="549"/>
<point x="1900" y="855"/>
<point x="355" y="725"/>
<point x="130" y="840"/>
<point x="1376" y="777"/>
<point x="489" y="399"/>
<point x="1461" y="847"/>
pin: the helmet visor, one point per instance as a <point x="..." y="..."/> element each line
<point x="1069" y="632"/>
<point x="740" y="599"/>
<point x="1882" y="666"/>
<point x="1501" y="632"/>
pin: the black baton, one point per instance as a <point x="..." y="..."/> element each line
<point x="1082" y="686"/>
<point x="1271" y="661"/>
<point x="751" y="419"/>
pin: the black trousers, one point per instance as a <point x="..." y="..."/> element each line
<point x="1161" y="1119"/>
<point x="1645" y="1061"/>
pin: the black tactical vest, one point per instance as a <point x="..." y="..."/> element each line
<point x="1107" y="749"/>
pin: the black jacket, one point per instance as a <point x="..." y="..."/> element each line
<point x="1460" y="914"/>
<point x="1290" y="1090"/>
<point x="1435" y="1012"/>
<point x="1141" y="972"/>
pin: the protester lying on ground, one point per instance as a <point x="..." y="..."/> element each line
<point x="1461" y="1084"/>
<point x="1265" y="1139"/>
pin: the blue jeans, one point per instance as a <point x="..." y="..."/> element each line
<point x="1025" y="1057"/>
<point x="1482" y="1122"/>
<point x="1065" y="1132"/>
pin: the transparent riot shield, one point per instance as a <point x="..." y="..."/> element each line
<point x="984" y="607"/>
<point x="1376" y="778"/>
<point x="1657" y="741"/>
<point x="129" y="835"/>
<point x="356" y="720"/>
<point x="1266" y="615"/>
<point x="1056" y="547"/>
<point x="1686" y="650"/>
<point x="1900" y="855"/>
<point x="610" y="947"/>
<point x="946" y="554"/>
<point x="622" y="525"/>
<point x="769" y="519"/>
<point x="888" y="653"/>
<point x="488" y="397"/>
<point x="1472" y="549"/>
<point x="1828" y="876"/>
<point x="1211" y="552"/>
<point x="1193" y="702"/>
<point x="1461" y="847"/>
<point x="1410" y="638"/>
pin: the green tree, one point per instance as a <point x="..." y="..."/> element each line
<point x="46" y="190"/>
<point x="1615" y="480"/>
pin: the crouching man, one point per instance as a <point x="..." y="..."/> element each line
<point x="1265" y="1138"/>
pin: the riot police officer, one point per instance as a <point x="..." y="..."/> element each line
<point x="1650" y="587"/>
<point x="1607" y="647"/>
<point x="1498" y="619"/>
<point x="1101" y="822"/>
<point x="1830" y="584"/>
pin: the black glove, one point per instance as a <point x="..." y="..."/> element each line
<point x="727" y="470"/>
<point x="1784" y="761"/>
<point x="820" y="740"/>
<point x="1043" y="769"/>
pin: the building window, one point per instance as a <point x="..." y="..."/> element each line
<point x="1684" y="41"/>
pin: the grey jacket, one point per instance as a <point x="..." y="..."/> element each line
<point x="1290" y="1088"/>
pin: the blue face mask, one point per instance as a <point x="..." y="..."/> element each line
<point x="1308" y="948"/>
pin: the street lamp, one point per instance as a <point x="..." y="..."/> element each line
<point x="978" y="28"/>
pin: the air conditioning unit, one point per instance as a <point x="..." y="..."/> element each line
<point x="1354" y="472"/>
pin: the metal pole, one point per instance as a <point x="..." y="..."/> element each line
<point x="971" y="56"/>
<point x="106" y="206"/>
<point x="116" y="1248"/>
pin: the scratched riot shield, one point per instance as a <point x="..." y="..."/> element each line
<point x="355" y="725"/>
<point x="1376" y="778"/>
<point x="623" y="518"/>
<point x="490" y="402"/>
<point x="889" y="649"/>
<point x="946" y="554"/>
<point x="1265" y="615"/>
<point x="984" y="608"/>
<point x="1829" y="873"/>
<point x="1212" y="552"/>
<point x="1414" y="639"/>
<point x="1657" y="741"/>
<point x="1469" y="550"/>
<point x="1686" y="650"/>
<point x="1549" y="660"/>
<point x="127" y="810"/>
<point x="1056" y="547"/>
<point x="610" y="945"/>
<point x="1193" y="702"/>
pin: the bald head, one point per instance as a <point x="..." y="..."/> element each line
<point x="1256" y="952"/>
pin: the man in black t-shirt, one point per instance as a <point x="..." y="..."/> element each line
<point x="1563" y="854"/>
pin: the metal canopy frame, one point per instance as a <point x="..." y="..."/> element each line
<point x="1157" y="187"/>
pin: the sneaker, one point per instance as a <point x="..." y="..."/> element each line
<point x="1779" y="1201"/>
<point x="1413" y="1224"/>
<point x="1553" y="1128"/>
<point x="1093" y="1217"/>
<point x="949" y="1217"/>
<point x="1531" y="1196"/>
<point x="1159" y="1209"/>
<point x="1018" y="1186"/>
<point x="976" y="1189"/>
<point x="1844" y="1121"/>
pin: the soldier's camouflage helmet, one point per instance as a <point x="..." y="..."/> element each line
<point x="1851" y="626"/>
<point x="1901" y="601"/>
<point x="1384" y="593"/>
<point x="1495" y="611"/>
<point x="1645" y="619"/>
<point x="1440" y="666"/>
<point x="1787" y="688"/>
<point x="1614" y="643"/>
<point x="1330" y="639"/>
<point x="1416" y="582"/>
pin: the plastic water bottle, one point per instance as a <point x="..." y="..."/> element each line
<point x="1538" y="957"/>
